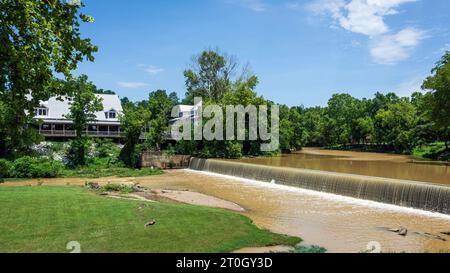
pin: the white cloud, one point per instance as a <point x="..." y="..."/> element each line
<point x="324" y="7"/>
<point x="390" y="49"/>
<point x="359" y="16"/>
<point x="255" y="5"/>
<point x="367" y="17"/>
<point x="132" y="85"/>
<point x="150" y="69"/>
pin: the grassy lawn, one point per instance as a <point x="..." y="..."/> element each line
<point x="45" y="219"/>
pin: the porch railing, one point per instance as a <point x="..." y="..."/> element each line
<point x="72" y="133"/>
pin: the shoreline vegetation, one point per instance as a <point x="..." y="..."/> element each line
<point x="434" y="153"/>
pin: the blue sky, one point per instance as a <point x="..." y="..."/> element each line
<point x="302" y="51"/>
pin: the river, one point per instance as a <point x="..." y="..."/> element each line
<point x="370" y="164"/>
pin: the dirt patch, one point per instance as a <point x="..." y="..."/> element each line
<point x="190" y="197"/>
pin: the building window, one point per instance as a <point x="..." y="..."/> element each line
<point x="111" y="114"/>
<point x="41" y="112"/>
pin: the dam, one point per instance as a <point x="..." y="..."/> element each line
<point x="405" y="193"/>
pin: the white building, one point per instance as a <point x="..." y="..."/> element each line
<point x="190" y="112"/>
<point x="55" y="124"/>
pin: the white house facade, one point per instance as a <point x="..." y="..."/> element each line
<point x="53" y="114"/>
<point x="186" y="112"/>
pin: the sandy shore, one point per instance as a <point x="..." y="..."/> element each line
<point x="192" y="198"/>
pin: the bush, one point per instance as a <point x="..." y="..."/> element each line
<point x="104" y="163"/>
<point x="171" y="164"/>
<point x="130" y="155"/>
<point x="112" y="187"/>
<point x="78" y="152"/>
<point x="118" y="188"/>
<point x="5" y="166"/>
<point x="28" y="167"/>
<point x="309" y="250"/>
<point x="234" y="149"/>
<point x="105" y="148"/>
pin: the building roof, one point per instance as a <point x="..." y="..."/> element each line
<point x="57" y="110"/>
<point x="188" y="108"/>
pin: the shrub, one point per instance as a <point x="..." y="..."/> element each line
<point x="172" y="164"/>
<point x="234" y="149"/>
<point x="112" y="187"/>
<point x="92" y="186"/>
<point x="5" y="166"/>
<point x="309" y="249"/>
<point x="105" y="148"/>
<point x="118" y="188"/>
<point x="78" y="152"/>
<point x="28" y="167"/>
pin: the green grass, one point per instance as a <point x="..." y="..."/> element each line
<point x="92" y="172"/>
<point x="44" y="219"/>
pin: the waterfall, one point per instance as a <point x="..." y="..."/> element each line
<point x="425" y="196"/>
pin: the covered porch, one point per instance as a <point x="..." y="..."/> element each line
<point x="67" y="130"/>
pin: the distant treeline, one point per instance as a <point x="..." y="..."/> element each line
<point x="386" y="120"/>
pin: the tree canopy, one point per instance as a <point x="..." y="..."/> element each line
<point x="37" y="39"/>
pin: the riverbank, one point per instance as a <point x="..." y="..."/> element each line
<point x="435" y="153"/>
<point x="43" y="219"/>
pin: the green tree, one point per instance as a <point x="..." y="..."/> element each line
<point x="3" y="131"/>
<point x="439" y="84"/>
<point x="364" y="128"/>
<point x="399" y="121"/>
<point x="159" y="107"/>
<point x="313" y="122"/>
<point x="37" y="39"/>
<point x="210" y="76"/>
<point x="342" y="111"/>
<point x="292" y="133"/>
<point x="83" y="105"/>
<point x="132" y="126"/>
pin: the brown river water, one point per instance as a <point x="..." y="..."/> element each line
<point x="369" y="164"/>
